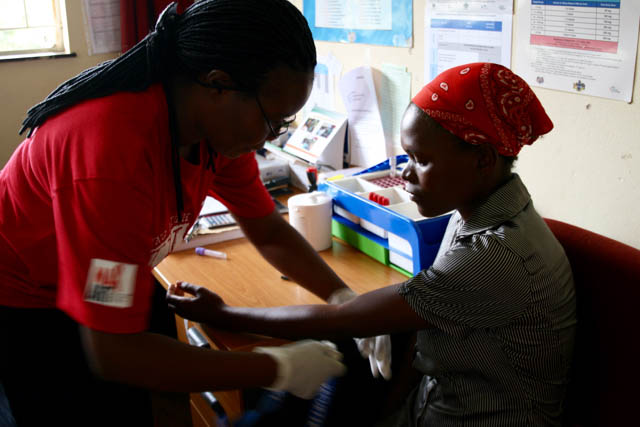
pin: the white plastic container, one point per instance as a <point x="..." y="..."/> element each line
<point x="395" y="196"/>
<point x="346" y="214"/>
<point x="399" y="244"/>
<point x="310" y="214"/>
<point x="400" y="261"/>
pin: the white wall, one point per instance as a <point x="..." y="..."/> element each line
<point x="585" y="172"/>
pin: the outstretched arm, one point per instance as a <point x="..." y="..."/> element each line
<point x="378" y="312"/>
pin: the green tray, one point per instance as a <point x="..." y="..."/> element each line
<point x="360" y="241"/>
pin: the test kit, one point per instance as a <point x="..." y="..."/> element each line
<point x="373" y="212"/>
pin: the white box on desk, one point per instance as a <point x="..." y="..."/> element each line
<point x="272" y="167"/>
<point x="210" y="206"/>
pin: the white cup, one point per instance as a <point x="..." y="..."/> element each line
<point x="310" y="214"/>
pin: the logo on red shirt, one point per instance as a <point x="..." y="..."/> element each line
<point x="109" y="276"/>
<point x="110" y="283"/>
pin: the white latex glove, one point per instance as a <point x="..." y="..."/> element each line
<point x="304" y="366"/>
<point x="377" y="349"/>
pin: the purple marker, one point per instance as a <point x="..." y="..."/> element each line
<point x="211" y="253"/>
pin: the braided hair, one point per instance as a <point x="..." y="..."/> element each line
<point x="244" y="38"/>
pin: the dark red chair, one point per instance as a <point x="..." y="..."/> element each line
<point x="605" y="382"/>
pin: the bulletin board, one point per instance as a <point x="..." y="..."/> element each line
<point x="377" y="22"/>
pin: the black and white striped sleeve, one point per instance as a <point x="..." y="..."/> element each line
<point x="477" y="283"/>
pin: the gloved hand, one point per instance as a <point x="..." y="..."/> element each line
<point x="304" y="366"/>
<point x="377" y="349"/>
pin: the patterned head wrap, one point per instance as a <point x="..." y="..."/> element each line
<point x="485" y="103"/>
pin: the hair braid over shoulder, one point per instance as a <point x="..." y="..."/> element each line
<point x="245" y="38"/>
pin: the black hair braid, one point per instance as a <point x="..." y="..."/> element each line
<point x="244" y="38"/>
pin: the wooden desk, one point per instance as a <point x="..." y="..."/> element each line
<point x="246" y="279"/>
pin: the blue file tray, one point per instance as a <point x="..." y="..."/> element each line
<point x="411" y="239"/>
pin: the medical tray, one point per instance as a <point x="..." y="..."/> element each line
<point x="389" y="228"/>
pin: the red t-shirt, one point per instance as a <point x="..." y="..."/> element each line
<point x="87" y="209"/>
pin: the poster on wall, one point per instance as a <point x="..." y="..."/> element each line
<point x="580" y="46"/>
<point x="102" y="25"/>
<point x="460" y="32"/>
<point x="326" y="73"/>
<point x="379" y="22"/>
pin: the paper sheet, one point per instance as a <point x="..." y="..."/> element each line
<point x="586" y="47"/>
<point x="323" y="94"/>
<point x="367" y="142"/>
<point x="460" y="32"/>
<point x="395" y="95"/>
<point x="102" y="24"/>
<point x="212" y="206"/>
<point x="361" y="15"/>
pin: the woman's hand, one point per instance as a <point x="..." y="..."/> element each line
<point x="202" y="306"/>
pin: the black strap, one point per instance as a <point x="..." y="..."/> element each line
<point x="212" y="156"/>
<point x="175" y="155"/>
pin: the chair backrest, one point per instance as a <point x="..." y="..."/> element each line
<point x="606" y="365"/>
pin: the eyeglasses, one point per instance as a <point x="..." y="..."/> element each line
<point x="281" y="127"/>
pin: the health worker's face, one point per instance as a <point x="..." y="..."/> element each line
<point x="441" y="175"/>
<point x="241" y="127"/>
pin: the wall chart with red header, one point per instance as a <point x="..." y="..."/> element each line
<point x="580" y="46"/>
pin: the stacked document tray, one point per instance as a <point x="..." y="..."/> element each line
<point x="373" y="212"/>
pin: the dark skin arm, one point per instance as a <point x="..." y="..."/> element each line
<point x="283" y="247"/>
<point x="138" y="359"/>
<point x="158" y="362"/>
<point x="382" y="311"/>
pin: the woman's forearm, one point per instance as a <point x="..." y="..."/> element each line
<point x="379" y="312"/>
<point x="290" y="322"/>
<point x="158" y="362"/>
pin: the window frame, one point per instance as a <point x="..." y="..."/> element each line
<point x="61" y="46"/>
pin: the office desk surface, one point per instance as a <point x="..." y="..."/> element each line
<point x="246" y="279"/>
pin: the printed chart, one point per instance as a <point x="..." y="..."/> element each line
<point x="581" y="46"/>
<point x="576" y="24"/>
<point x="460" y="32"/>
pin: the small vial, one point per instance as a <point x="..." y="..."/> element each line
<point x="211" y="253"/>
<point x="393" y="166"/>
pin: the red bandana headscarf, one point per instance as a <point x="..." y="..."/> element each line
<point x="485" y="103"/>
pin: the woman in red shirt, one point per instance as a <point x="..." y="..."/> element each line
<point x="114" y="171"/>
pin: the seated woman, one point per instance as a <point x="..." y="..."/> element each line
<point x="495" y="313"/>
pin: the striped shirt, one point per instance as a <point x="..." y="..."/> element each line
<point x="501" y="304"/>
